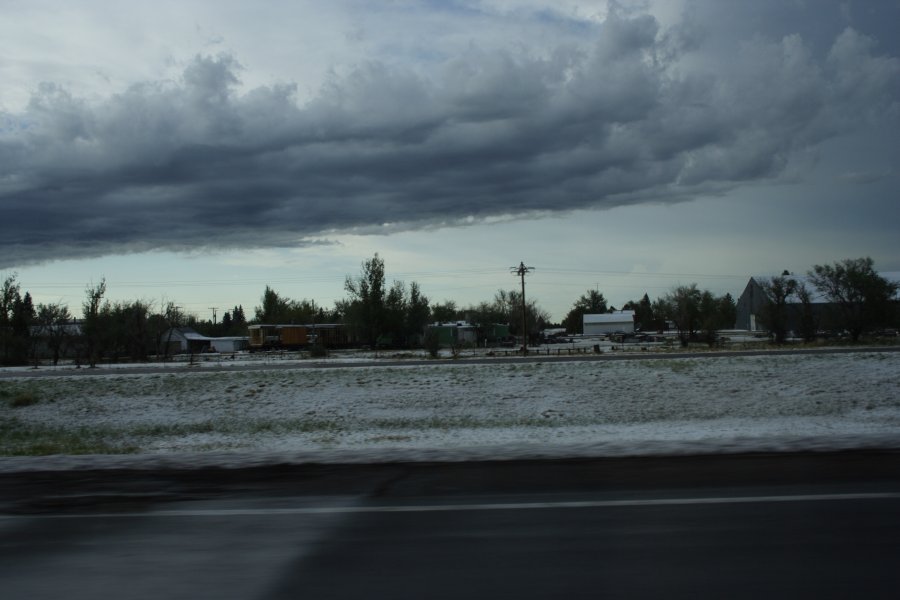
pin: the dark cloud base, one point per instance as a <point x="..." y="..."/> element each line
<point x="642" y="114"/>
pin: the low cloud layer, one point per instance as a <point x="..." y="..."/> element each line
<point x="640" y="113"/>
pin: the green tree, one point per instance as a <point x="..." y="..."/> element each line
<point x="727" y="311"/>
<point x="164" y="325"/>
<point x="862" y="298"/>
<point x="54" y="322"/>
<point x="709" y="316"/>
<point x="394" y="317"/>
<point x="779" y="291"/>
<point x="274" y="308"/>
<point x="382" y="316"/>
<point x="418" y="314"/>
<point x="126" y="330"/>
<point x="644" y="315"/>
<point x="484" y="316"/>
<point x="809" y="321"/>
<point x="364" y="310"/>
<point x="237" y="316"/>
<point x="590" y="303"/>
<point x="233" y="322"/>
<point x="444" y="312"/>
<point x="22" y="320"/>
<point x="507" y="308"/>
<point x="277" y="309"/>
<point x="227" y="324"/>
<point x="92" y="327"/>
<point x="682" y="306"/>
<point x="9" y="296"/>
<point x="716" y="313"/>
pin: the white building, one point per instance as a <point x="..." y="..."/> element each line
<point x="229" y="344"/>
<point x="621" y="321"/>
<point x="185" y="339"/>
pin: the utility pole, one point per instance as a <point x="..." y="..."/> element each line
<point x="214" y="309"/>
<point x="521" y="271"/>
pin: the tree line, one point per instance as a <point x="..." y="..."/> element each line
<point x="696" y="314"/>
<point x="394" y="314"/>
<point x="375" y="311"/>
<point x="857" y="300"/>
<point x="133" y="329"/>
<point x="847" y="296"/>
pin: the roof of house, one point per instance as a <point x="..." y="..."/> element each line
<point x="186" y="333"/>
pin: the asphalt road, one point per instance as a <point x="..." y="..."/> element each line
<point x="755" y="526"/>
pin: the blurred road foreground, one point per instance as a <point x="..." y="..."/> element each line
<point x="813" y="525"/>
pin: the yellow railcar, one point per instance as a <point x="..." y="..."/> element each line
<point x="290" y="336"/>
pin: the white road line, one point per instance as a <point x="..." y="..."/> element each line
<point x="420" y="508"/>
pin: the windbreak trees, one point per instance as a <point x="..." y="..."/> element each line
<point x="682" y="306"/>
<point x="779" y="291"/>
<point x="276" y="309"/>
<point x="16" y="316"/>
<point x="364" y="311"/>
<point x="693" y="310"/>
<point x="442" y="312"/>
<point x="862" y="299"/>
<point x="381" y="315"/>
<point x="507" y="308"/>
<point x="591" y="302"/>
<point x="53" y="320"/>
<point x="716" y="313"/>
<point x="93" y="328"/>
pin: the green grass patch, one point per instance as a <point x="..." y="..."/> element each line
<point x="173" y="429"/>
<point x="673" y="365"/>
<point x="23" y="398"/>
<point x="19" y="396"/>
<point x="463" y="422"/>
<point x="20" y="439"/>
<point x="233" y="427"/>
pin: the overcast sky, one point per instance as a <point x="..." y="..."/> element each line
<point x="197" y="151"/>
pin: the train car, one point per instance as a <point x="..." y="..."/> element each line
<point x="331" y="335"/>
<point x="295" y="337"/>
<point x="262" y="336"/>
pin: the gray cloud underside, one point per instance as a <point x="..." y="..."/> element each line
<point x="640" y="115"/>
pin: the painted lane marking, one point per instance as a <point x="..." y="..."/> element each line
<point x="421" y="508"/>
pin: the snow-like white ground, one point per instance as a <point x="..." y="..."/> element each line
<point x="453" y="411"/>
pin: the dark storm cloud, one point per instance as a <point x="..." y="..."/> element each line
<point x="641" y="114"/>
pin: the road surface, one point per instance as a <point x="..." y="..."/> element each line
<point x="752" y="526"/>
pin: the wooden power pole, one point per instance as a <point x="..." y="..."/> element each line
<point x="521" y="271"/>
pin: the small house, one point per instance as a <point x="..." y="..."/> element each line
<point x="186" y="340"/>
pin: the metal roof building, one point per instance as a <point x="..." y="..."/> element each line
<point x="621" y="321"/>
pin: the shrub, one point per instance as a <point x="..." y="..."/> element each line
<point x="432" y="343"/>
<point x="318" y="351"/>
<point x="23" y="398"/>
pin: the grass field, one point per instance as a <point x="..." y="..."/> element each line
<point x="716" y="400"/>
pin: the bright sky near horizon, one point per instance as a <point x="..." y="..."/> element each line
<point x="197" y="151"/>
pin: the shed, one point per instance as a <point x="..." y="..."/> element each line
<point x="185" y="339"/>
<point x="454" y="333"/>
<point x="615" y="322"/>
